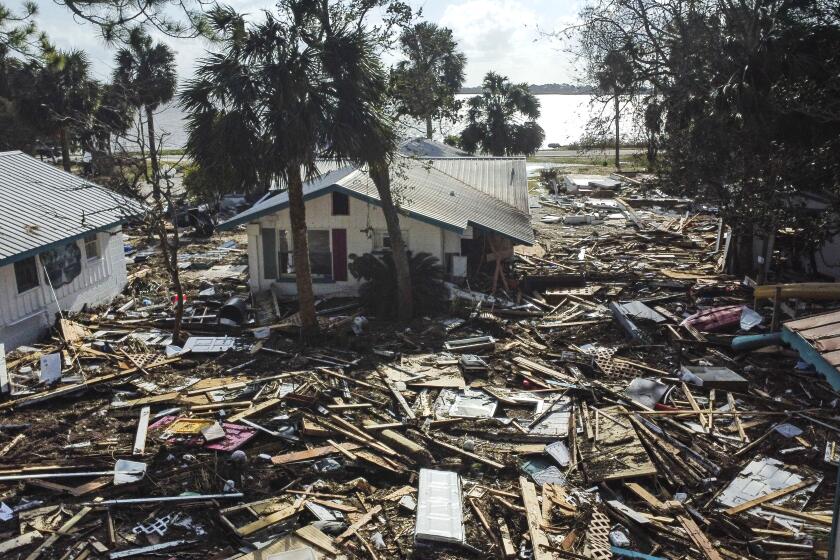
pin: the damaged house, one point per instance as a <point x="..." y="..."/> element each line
<point x="462" y="210"/>
<point x="61" y="245"/>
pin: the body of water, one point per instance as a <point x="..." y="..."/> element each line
<point x="563" y="117"/>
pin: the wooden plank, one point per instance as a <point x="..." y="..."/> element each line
<point x="534" y="517"/>
<point x="812" y="321"/>
<point x="24" y="540"/>
<point x="142" y="428"/>
<point x="315" y="536"/>
<point x="397" y="395"/>
<point x="738" y="424"/>
<point x="63" y="530"/>
<point x="479" y="458"/>
<point x="309" y="454"/>
<point x="347" y="453"/>
<point x="699" y="538"/>
<point x="768" y="497"/>
<point x="266" y="521"/>
<point x="508" y="550"/>
<point x="265" y="405"/>
<point x="545" y="370"/>
<point x="803" y="515"/>
<point x="360" y="522"/>
<point x="651" y="500"/>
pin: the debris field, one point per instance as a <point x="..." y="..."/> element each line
<point x="622" y="398"/>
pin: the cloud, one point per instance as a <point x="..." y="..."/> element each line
<point x="507" y="36"/>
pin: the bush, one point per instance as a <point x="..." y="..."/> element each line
<point x="379" y="292"/>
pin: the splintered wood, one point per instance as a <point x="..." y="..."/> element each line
<point x="617" y="452"/>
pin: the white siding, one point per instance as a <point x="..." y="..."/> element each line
<point x="25" y="317"/>
<point x="422" y="237"/>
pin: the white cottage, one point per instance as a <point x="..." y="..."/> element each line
<point x="61" y="245"/>
<point x="460" y="210"/>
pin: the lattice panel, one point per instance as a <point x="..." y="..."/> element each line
<point x="618" y="370"/>
<point x="598" y="537"/>
<point x="610" y="367"/>
<point x="148" y="359"/>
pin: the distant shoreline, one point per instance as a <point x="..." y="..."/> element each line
<point x="541" y="89"/>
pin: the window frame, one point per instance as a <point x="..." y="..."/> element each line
<point x="37" y="284"/>
<point x="341" y="196"/>
<point x="379" y="237"/>
<point x="92" y="238"/>
<point x="312" y="272"/>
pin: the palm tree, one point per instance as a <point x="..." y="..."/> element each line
<point x="301" y="86"/>
<point x="502" y="120"/>
<point x="425" y="85"/>
<point x="615" y="78"/>
<point x="146" y="73"/>
<point x="63" y="96"/>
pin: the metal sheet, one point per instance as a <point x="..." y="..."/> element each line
<point x="42" y="206"/>
<point x="209" y="344"/>
<point x="439" y="508"/>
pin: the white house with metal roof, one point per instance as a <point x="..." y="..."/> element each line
<point x="61" y="245"/>
<point x="456" y="209"/>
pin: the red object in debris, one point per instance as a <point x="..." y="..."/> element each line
<point x="716" y="319"/>
<point x="175" y="299"/>
<point x="660" y="406"/>
<point x="526" y="384"/>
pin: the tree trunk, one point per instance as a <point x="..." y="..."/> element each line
<point x="381" y="178"/>
<point x="617" y="137"/>
<point x="65" y="149"/>
<point x="150" y="121"/>
<point x="170" y="259"/>
<point x="429" y="128"/>
<point x="141" y="139"/>
<point x="300" y="250"/>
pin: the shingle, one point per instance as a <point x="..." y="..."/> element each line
<point x="41" y="205"/>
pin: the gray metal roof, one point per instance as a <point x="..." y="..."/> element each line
<point x="505" y="178"/>
<point x="42" y="206"/>
<point x="423" y="192"/>
<point x="423" y="147"/>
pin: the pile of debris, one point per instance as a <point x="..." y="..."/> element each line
<point x="600" y="411"/>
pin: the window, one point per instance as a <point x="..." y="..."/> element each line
<point x="284" y="254"/>
<point x="340" y="204"/>
<point x="382" y="241"/>
<point x="92" y="246"/>
<point x="26" y="275"/>
<point x="320" y="256"/>
<point x="269" y="253"/>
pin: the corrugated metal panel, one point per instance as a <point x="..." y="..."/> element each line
<point x="422" y="191"/>
<point x="41" y="205"/>
<point x="423" y="147"/>
<point x="502" y="178"/>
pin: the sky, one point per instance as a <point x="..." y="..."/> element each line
<point x="506" y="36"/>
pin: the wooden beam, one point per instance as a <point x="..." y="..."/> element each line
<point x="265" y="405"/>
<point x="142" y="428"/>
<point x="699" y="538"/>
<point x="360" y="522"/>
<point x="535" y="520"/>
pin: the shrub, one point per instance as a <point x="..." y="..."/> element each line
<point x="379" y="292"/>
